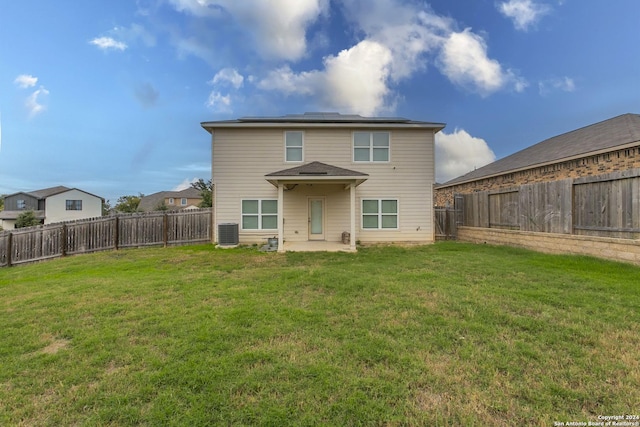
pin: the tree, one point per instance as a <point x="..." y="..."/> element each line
<point x="106" y="208"/>
<point x="27" y="219"/>
<point x="206" y="191"/>
<point x="1" y="202"/>
<point x="128" y="204"/>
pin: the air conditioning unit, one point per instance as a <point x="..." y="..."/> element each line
<point x="228" y="234"/>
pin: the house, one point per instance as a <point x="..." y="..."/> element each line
<point x="189" y="198"/>
<point x="608" y="146"/>
<point x="323" y="177"/>
<point x="50" y="205"/>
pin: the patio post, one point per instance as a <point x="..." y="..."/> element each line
<point x="280" y="217"/>
<point x="352" y="194"/>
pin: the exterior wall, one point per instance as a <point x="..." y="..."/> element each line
<point x="11" y="202"/>
<point x="603" y="247"/>
<point x="56" y="209"/>
<point x="242" y="157"/>
<point x="613" y="161"/>
<point x="7" y="224"/>
<point x="177" y="202"/>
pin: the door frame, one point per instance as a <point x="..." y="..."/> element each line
<point x="310" y="200"/>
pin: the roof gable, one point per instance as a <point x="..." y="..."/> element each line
<point x="603" y="136"/>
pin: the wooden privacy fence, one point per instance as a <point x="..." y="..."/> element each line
<point x="99" y="234"/>
<point x="604" y="205"/>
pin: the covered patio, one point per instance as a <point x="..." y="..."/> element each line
<point x="308" y="209"/>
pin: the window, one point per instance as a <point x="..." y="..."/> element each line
<point x="371" y="146"/>
<point x="21" y="204"/>
<point x="74" y="205"/>
<point x="293" y="141"/>
<point x="171" y="201"/>
<point x="259" y="214"/>
<point x="379" y="214"/>
<point x="183" y="202"/>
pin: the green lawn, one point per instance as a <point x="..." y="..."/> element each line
<point x="446" y="334"/>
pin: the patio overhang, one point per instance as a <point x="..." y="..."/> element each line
<point x="316" y="173"/>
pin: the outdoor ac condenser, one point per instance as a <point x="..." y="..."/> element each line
<point x="228" y="234"/>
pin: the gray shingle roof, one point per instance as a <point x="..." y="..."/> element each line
<point x="316" y="169"/>
<point x="321" y="118"/>
<point x="599" y="137"/>
<point x="46" y="192"/>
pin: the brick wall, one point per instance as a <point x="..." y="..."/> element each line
<point x="624" y="250"/>
<point x="591" y="165"/>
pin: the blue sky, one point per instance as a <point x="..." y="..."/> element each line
<point x="108" y="96"/>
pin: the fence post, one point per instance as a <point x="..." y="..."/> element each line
<point x="116" y="234"/>
<point x="165" y="229"/>
<point x="64" y="239"/>
<point x="9" y="249"/>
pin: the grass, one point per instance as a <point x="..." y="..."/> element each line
<point x="446" y="334"/>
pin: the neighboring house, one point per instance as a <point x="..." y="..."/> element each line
<point x="189" y="198"/>
<point x="50" y="205"/>
<point x="323" y="176"/>
<point x="608" y="146"/>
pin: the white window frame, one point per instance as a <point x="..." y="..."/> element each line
<point x="259" y="214"/>
<point x="371" y="147"/>
<point x="379" y="214"/>
<point x="300" y="147"/>
<point x="183" y="201"/>
<point x="73" y="205"/>
<point x="171" y="201"/>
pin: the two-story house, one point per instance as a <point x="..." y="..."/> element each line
<point x="317" y="177"/>
<point x="53" y="204"/>
<point x="189" y="198"/>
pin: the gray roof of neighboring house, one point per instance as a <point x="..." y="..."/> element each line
<point x="51" y="191"/>
<point x="152" y="201"/>
<point x="600" y="137"/>
<point x="316" y="169"/>
<point x="320" y="118"/>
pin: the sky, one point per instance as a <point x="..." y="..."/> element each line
<point x="108" y="96"/>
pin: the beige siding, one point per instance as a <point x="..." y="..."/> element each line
<point x="242" y="158"/>
<point x="56" y="207"/>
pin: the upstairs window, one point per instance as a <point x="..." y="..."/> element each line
<point x="371" y="146"/>
<point x="379" y="214"/>
<point x="183" y="202"/>
<point x="171" y="201"/>
<point x="21" y="204"/>
<point x="74" y="205"/>
<point x="293" y="141"/>
<point x="259" y="214"/>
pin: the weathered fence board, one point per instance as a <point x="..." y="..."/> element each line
<point x="504" y="210"/>
<point x="97" y="234"/>
<point x="606" y="206"/>
<point x="546" y="207"/>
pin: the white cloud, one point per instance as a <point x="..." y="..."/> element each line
<point x="458" y="153"/>
<point x="219" y="102"/>
<point x="354" y="81"/>
<point x="397" y="41"/>
<point x="107" y="43"/>
<point x="184" y="184"/>
<point x="278" y="27"/>
<point x="564" y="84"/>
<point x="523" y="13"/>
<point x="228" y="76"/>
<point x="33" y="102"/>
<point x="25" y="81"/>
<point x="465" y="62"/>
